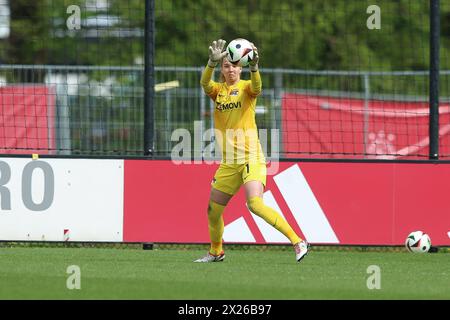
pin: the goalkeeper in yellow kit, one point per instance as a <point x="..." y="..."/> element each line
<point x="243" y="162"/>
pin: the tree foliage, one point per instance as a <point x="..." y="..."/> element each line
<point x="297" y="34"/>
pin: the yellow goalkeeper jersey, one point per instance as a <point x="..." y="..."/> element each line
<point x="234" y="117"/>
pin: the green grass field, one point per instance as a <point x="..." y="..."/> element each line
<point x="107" y="273"/>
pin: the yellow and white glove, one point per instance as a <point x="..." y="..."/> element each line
<point x="216" y="52"/>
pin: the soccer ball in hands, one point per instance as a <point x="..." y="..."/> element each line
<point x="240" y="52"/>
<point x="418" y="242"/>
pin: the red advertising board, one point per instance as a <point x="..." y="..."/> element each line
<point x="326" y="203"/>
<point x="327" y="127"/>
<point x="27" y="114"/>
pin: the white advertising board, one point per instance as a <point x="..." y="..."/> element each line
<point x="61" y="199"/>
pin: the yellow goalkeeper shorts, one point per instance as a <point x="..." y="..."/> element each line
<point x="230" y="177"/>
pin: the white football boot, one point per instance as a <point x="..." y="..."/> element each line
<point x="301" y="250"/>
<point x="212" y="258"/>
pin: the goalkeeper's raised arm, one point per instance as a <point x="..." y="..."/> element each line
<point x="216" y="54"/>
<point x="255" y="77"/>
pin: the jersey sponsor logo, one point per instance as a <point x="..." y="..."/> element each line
<point x="234" y="92"/>
<point x="228" y="106"/>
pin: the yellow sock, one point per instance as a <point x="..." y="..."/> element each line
<point x="257" y="206"/>
<point x="216" y="226"/>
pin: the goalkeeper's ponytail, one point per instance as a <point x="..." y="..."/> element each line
<point x="222" y="77"/>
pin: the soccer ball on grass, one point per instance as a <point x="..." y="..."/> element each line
<point x="418" y="242"/>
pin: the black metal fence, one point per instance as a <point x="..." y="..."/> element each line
<point x="120" y="78"/>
